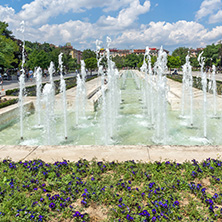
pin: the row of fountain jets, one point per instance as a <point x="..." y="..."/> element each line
<point x="155" y="94"/>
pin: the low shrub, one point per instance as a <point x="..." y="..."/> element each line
<point x="4" y="102"/>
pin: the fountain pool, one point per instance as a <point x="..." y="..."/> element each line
<point x="132" y="127"/>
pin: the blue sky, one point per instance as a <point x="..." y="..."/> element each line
<point x="129" y="23"/>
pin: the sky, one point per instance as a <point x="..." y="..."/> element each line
<point x="131" y="24"/>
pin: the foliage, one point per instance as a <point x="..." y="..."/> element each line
<point x="197" y="82"/>
<point x="87" y="54"/>
<point x="127" y="191"/>
<point x="131" y="60"/>
<point x="119" y="61"/>
<point x="173" y="62"/>
<point x="194" y="62"/>
<point x="182" y="53"/>
<point x="38" y="59"/>
<point x="7" y="47"/>
<point x="91" y="63"/>
<point x="211" y="52"/>
<point x="5" y="103"/>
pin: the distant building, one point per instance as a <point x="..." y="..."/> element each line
<point x="124" y="52"/>
<point x="73" y="52"/>
<point x="195" y="52"/>
<point x="76" y="54"/>
<point x="153" y="51"/>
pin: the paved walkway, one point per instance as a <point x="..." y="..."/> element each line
<point x="110" y="153"/>
<point x="118" y="153"/>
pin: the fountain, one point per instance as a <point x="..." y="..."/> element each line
<point x="63" y="92"/>
<point x="22" y="84"/>
<point x="187" y="90"/>
<point x="38" y="76"/>
<point x="133" y="108"/>
<point x="160" y="69"/>
<point x="201" y="61"/>
<point x="81" y="94"/>
<point x="49" y="117"/>
<point x="213" y="87"/>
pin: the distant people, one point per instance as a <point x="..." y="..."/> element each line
<point x="45" y="73"/>
<point x="18" y="74"/>
<point x="27" y="74"/>
<point x="31" y="74"/>
<point x="175" y="72"/>
<point x="1" y="81"/>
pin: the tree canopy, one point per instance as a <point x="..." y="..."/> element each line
<point x="8" y="47"/>
<point x="91" y="63"/>
<point x="88" y="53"/>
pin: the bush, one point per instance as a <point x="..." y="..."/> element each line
<point x="7" y="102"/>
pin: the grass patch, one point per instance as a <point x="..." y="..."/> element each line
<point x="31" y="90"/>
<point x="110" y="191"/>
<point x="4" y="102"/>
<point x="197" y="82"/>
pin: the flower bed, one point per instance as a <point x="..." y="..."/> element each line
<point x="110" y="191"/>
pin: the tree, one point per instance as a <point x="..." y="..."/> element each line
<point x="4" y="30"/>
<point x="88" y="53"/>
<point x="173" y="62"/>
<point x="211" y="53"/>
<point x="119" y="61"/>
<point x="153" y="60"/>
<point x="91" y="63"/>
<point x="69" y="62"/>
<point x="7" y="47"/>
<point x="38" y="58"/>
<point x="182" y="53"/>
<point x="54" y="56"/>
<point x="194" y="62"/>
<point x="220" y="54"/>
<point x="131" y="60"/>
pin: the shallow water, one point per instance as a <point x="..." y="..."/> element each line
<point x="132" y="128"/>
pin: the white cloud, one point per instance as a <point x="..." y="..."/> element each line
<point x="6" y="13"/>
<point x="171" y="35"/>
<point x="216" y="18"/>
<point x="40" y="11"/>
<point x="71" y="31"/>
<point x="126" y="16"/>
<point x="208" y="7"/>
<point x="214" y="35"/>
<point x="123" y="28"/>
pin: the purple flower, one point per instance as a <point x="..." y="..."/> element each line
<point x="154" y="211"/>
<point x="176" y="203"/>
<point x="128" y="217"/>
<point x="52" y="205"/>
<point x="77" y="214"/>
<point x="153" y="218"/>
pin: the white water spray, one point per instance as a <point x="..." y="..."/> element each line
<point x="161" y="89"/>
<point x="201" y="61"/>
<point x="22" y="83"/>
<point x="81" y="94"/>
<point x="187" y="89"/>
<point x="63" y="92"/>
<point x="38" y="75"/>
